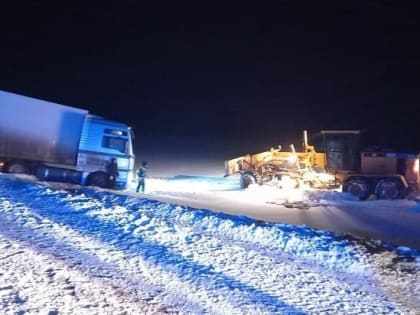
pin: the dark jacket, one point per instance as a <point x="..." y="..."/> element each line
<point x="113" y="169"/>
<point x="142" y="172"/>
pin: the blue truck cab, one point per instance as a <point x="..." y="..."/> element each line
<point x="100" y="141"/>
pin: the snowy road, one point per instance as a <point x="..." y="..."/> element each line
<point x="395" y="221"/>
<point x="89" y="251"/>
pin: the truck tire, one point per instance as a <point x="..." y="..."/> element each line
<point x="18" y="168"/>
<point x="247" y="179"/>
<point x="98" y="179"/>
<point x="358" y="187"/>
<point x="389" y="189"/>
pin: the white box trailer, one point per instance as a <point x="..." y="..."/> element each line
<point x="59" y="142"/>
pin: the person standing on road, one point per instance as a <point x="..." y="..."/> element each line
<point x="141" y="175"/>
<point x="113" y="173"/>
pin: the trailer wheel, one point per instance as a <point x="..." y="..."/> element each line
<point x="247" y="179"/>
<point x="358" y="187"/>
<point x="18" y="168"/>
<point x="389" y="189"/>
<point x="98" y="179"/>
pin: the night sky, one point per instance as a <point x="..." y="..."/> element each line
<point x="203" y="83"/>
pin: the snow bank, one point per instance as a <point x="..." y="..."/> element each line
<point x="181" y="259"/>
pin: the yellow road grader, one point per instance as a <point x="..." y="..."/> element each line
<point x="383" y="173"/>
<point x="282" y="168"/>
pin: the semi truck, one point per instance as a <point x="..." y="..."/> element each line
<point x="362" y="172"/>
<point x="62" y="143"/>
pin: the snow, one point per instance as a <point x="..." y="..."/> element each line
<point x="392" y="221"/>
<point x="196" y="246"/>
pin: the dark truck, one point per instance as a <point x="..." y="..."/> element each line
<point x="365" y="171"/>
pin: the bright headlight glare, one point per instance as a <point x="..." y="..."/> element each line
<point x="325" y="177"/>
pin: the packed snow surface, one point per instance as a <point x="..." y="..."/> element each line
<point x="70" y="249"/>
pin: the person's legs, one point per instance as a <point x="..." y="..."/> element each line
<point x="140" y="185"/>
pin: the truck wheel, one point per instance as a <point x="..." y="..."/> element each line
<point x="357" y="187"/>
<point x="98" y="179"/>
<point x="18" y="168"/>
<point x="389" y="189"/>
<point x="247" y="179"/>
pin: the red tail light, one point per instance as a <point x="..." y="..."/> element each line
<point x="416" y="166"/>
<point x="412" y="171"/>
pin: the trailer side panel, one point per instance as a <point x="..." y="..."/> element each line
<point x="37" y="130"/>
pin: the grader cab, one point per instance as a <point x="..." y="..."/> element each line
<point x="370" y="171"/>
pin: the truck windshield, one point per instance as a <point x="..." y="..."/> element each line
<point x="116" y="143"/>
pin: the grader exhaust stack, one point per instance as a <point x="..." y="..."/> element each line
<point x="305" y="140"/>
